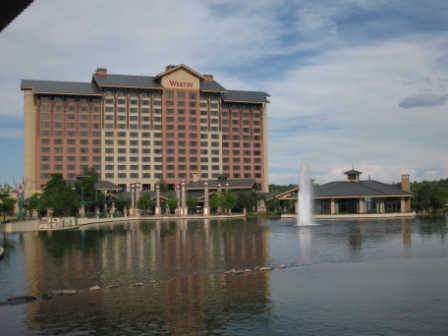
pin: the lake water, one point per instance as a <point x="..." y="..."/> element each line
<point x="371" y="277"/>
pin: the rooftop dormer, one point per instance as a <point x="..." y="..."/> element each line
<point x="352" y="175"/>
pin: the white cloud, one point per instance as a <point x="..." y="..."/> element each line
<point x="336" y="71"/>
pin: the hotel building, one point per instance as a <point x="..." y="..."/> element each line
<point x="177" y="125"/>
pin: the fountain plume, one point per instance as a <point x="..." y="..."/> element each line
<point x="304" y="197"/>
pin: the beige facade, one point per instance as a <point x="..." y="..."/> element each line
<point x="140" y="129"/>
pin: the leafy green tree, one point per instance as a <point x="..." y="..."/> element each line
<point x="227" y="199"/>
<point x="171" y="202"/>
<point x="162" y="185"/>
<point x="85" y="188"/>
<point x="192" y="203"/>
<point x="122" y="203"/>
<point x="59" y="196"/>
<point x="273" y="205"/>
<point x="214" y="202"/>
<point x="246" y="200"/>
<point x="7" y="206"/>
<point x="145" y="202"/>
<point x="34" y="202"/>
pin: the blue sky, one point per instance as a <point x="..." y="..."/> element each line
<point x="353" y="83"/>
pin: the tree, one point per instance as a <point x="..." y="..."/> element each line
<point x="227" y="199"/>
<point x="7" y="206"/>
<point x="85" y="188"/>
<point x="246" y="200"/>
<point x="162" y="185"/>
<point x="59" y="196"/>
<point x="145" y="202"/>
<point x="192" y="203"/>
<point x="171" y="202"/>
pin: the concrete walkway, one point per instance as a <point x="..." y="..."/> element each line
<point x="33" y="225"/>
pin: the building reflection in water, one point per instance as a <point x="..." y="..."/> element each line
<point x="180" y="264"/>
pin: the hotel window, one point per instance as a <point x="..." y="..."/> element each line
<point x="145" y="110"/>
<point x="58" y="150"/>
<point x="134" y="175"/>
<point x="182" y="167"/>
<point x="169" y="103"/>
<point x="158" y="167"/>
<point x="158" y="103"/>
<point x="58" y="167"/>
<point x="193" y="151"/>
<point x="122" y="175"/>
<point x="133" y="110"/>
<point x="109" y="167"/>
<point x="58" y="133"/>
<point x="122" y="109"/>
<point x="182" y="175"/>
<point x="45" y="167"/>
<point x="215" y="159"/>
<point x="146" y="167"/>
<point x="235" y="137"/>
<point x="169" y="94"/>
<point x="45" y="107"/>
<point x="204" y="175"/>
<point x="192" y="104"/>
<point x="225" y="167"/>
<point x="203" y="121"/>
<point x="133" y="151"/>
<point x="121" y="150"/>
<point x="192" y="120"/>
<point x="71" y="167"/>
<point x="203" y="105"/>
<point x="170" y="167"/>
<point x="134" y="167"/>
<point x="133" y="102"/>
<point x="193" y="159"/>
<point x="204" y="129"/>
<point x="45" y="175"/>
<point x="146" y="159"/>
<point x="193" y="167"/>
<point x="181" y="95"/>
<point x="71" y="108"/>
<point x="237" y="176"/>
<point x="58" y="158"/>
<point x="215" y="167"/>
<point x="180" y="103"/>
<point x="192" y="128"/>
<point x="204" y="159"/>
<point x="84" y="150"/>
<point x="133" y="159"/>
<point x="225" y="152"/>
<point x="107" y="159"/>
<point x="204" y="167"/>
<point x="146" y="176"/>
<point x="84" y="125"/>
<point x="146" y="135"/>
<point x="121" y="167"/>
<point x="235" y="130"/>
<point x="170" y="119"/>
<point x="45" y="158"/>
<point x="45" y="124"/>
<point x="181" y="151"/>
<point x="109" y="175"/>
<point x="193" y="143"/>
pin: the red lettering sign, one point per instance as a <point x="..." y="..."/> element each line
<point x="181" y="84"/>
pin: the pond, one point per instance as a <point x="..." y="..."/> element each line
<point x="357" y="277"/>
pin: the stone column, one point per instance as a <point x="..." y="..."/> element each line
<point x="183" y="206"/>
<point x="381" y="205"/>
<point x="132" y="196"/>
<point x="227" y="188"/>
<point x="178" y="199"/>
<point x="97" y="211"/>
<point x="206" y="208"/>
<point x="158" y="210"/>
<point x="82" y="211"/>
<point x="332" y="207"/>
<point x="361" y="205"/>
<point x="49" y="214"/>
<point x="219" y="194"/>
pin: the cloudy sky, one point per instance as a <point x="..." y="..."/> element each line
<point x="354" y="83"/>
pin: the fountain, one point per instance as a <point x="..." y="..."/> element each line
<point x="304" y="198"/>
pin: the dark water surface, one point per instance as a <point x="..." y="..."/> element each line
<point x="368" y="277"/>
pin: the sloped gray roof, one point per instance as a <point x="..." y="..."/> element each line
<point x="106" y="185"/>
<point x="361" y="188"/>
<point x="126" y="81"/>
<point x="213" y="184"/>
<point x="246" y="96"/>
<point x="212" y="86"/>
<point x="66" y="88"/>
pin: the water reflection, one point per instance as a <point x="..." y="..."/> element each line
<point x="180" y="263"/>
<point x="341" y="278"/>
